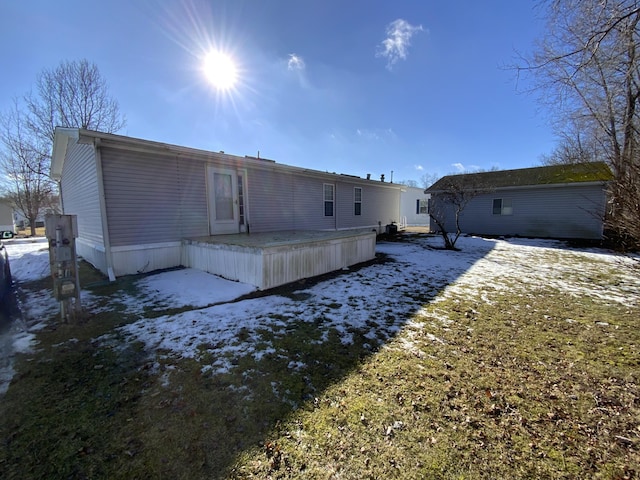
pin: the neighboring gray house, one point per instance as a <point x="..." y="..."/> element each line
<point x="559" y="201"/>
<point x="144" y="205"/>
<point x="6" y="217"/>
<point x="414" y="207"/>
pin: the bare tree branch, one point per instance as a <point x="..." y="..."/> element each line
<point x="72" y="95"/>
<point x="587" y="71"/>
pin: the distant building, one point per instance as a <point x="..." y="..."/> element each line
<point x="6" y="218"/>
<point x="414" y="207"/>
<point x="558" y="201"/>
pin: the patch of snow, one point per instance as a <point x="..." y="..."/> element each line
<point x="378" y="302"/>
<point x="191" y="287"/>
<point x="29" y="260"/>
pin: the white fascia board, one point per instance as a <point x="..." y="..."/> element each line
<point x="59" y="152"/>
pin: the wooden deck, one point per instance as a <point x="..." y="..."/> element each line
<point x="268" y="260"/>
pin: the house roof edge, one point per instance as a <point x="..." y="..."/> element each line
<point x="59" y="152"/>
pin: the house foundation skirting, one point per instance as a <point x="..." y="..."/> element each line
<point x="132" y="259"/>
<point x="92" y="253"/>
<point x="270" y="265"/>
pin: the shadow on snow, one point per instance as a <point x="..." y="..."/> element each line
<point x="208" y="409"/>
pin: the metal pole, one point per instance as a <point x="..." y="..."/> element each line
<point x="60" y="270"/>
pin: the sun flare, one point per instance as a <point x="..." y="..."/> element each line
<point x="220" y="70"/>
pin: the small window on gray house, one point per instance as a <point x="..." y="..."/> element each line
<point x="502" y="206"/>
<point x="329" y="198"/>
<point x="422" y="206"/>
<point x="357" y="201"/>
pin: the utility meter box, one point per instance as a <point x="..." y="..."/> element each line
<point x="67" y="223"/>
<point x="61" y="231"/>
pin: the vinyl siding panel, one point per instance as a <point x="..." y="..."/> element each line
<point x="162" y="198"/>
<point x="379" y="204"/>
<point x="309" y="204"/>
<point x="79" y="190"/>
<point x="194" y="220"/>
<point x="556" y="212"/>
<point x="270" y="195"/>
<point x="283" y="201"/>
<point x="153" y="198"/>
<point x="408" y="201"/>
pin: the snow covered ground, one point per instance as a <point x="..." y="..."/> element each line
<point x="377" y="301"/>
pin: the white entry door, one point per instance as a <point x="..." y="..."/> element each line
<point x="223" y="201"/>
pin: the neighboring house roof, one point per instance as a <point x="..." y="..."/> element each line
<point x="555" y="175"/>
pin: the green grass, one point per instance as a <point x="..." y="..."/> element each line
<point x="531" y="385"/>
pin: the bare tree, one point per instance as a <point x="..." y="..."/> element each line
<point x="449" y="197"/>
<point x="578" y="144"/>
<point x="588" y="70"/>
<point x="72" y="95"/>
<point x="23" y="164"/>
<point x="428" y="179"/>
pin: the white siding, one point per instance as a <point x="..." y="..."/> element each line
<point x="287" y="264"/>
<point x="134" y="259"/>
<point x="270" y="266"/>
<point x="79" y="190"/>
<point x="408" y="200"/>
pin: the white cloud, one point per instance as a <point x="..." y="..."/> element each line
<point x="395" y="46"/>
<point x="376" y="134"/>
<point x="459" y="167"/>
<point x="418" y="167"/>
<point x="295" y="62"/>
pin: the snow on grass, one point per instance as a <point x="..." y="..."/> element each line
<point x="376" y="301"/>
<point x="188" y="286"/>
<point x="29" y="259"/>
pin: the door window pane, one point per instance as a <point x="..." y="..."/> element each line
<point x="223" y="196"/>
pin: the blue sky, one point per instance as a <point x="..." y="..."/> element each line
<point x="352" y="87"/>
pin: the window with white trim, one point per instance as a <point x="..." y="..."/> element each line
<point x="357" y="200"/>
<point x="422" y="206"/>
<point x="329" y="199"/>
<point x="502" y="206"/>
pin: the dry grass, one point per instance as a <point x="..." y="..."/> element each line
<point x="26" y="232"/>
<point x="485" y="384"/>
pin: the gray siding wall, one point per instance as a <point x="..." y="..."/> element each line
<point x="271" y="200"/>
<point x="162" y="198"/>
<point x="379" y="204"/>
<point x="6" y="215"/>
<point x="283" y="201"/>
<point x="79" y="189"/>
<point x="153" y="198"/>
<point x="555" y="212"/>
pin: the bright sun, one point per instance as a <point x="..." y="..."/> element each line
<point x="220" y="70"/>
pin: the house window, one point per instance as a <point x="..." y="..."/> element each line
<point x="240" y="200"/>
<point x="329" y="198"/>
<point x="357" y="201"/>
<point x="422" y="206"/>
<point x="502" y="206"/>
